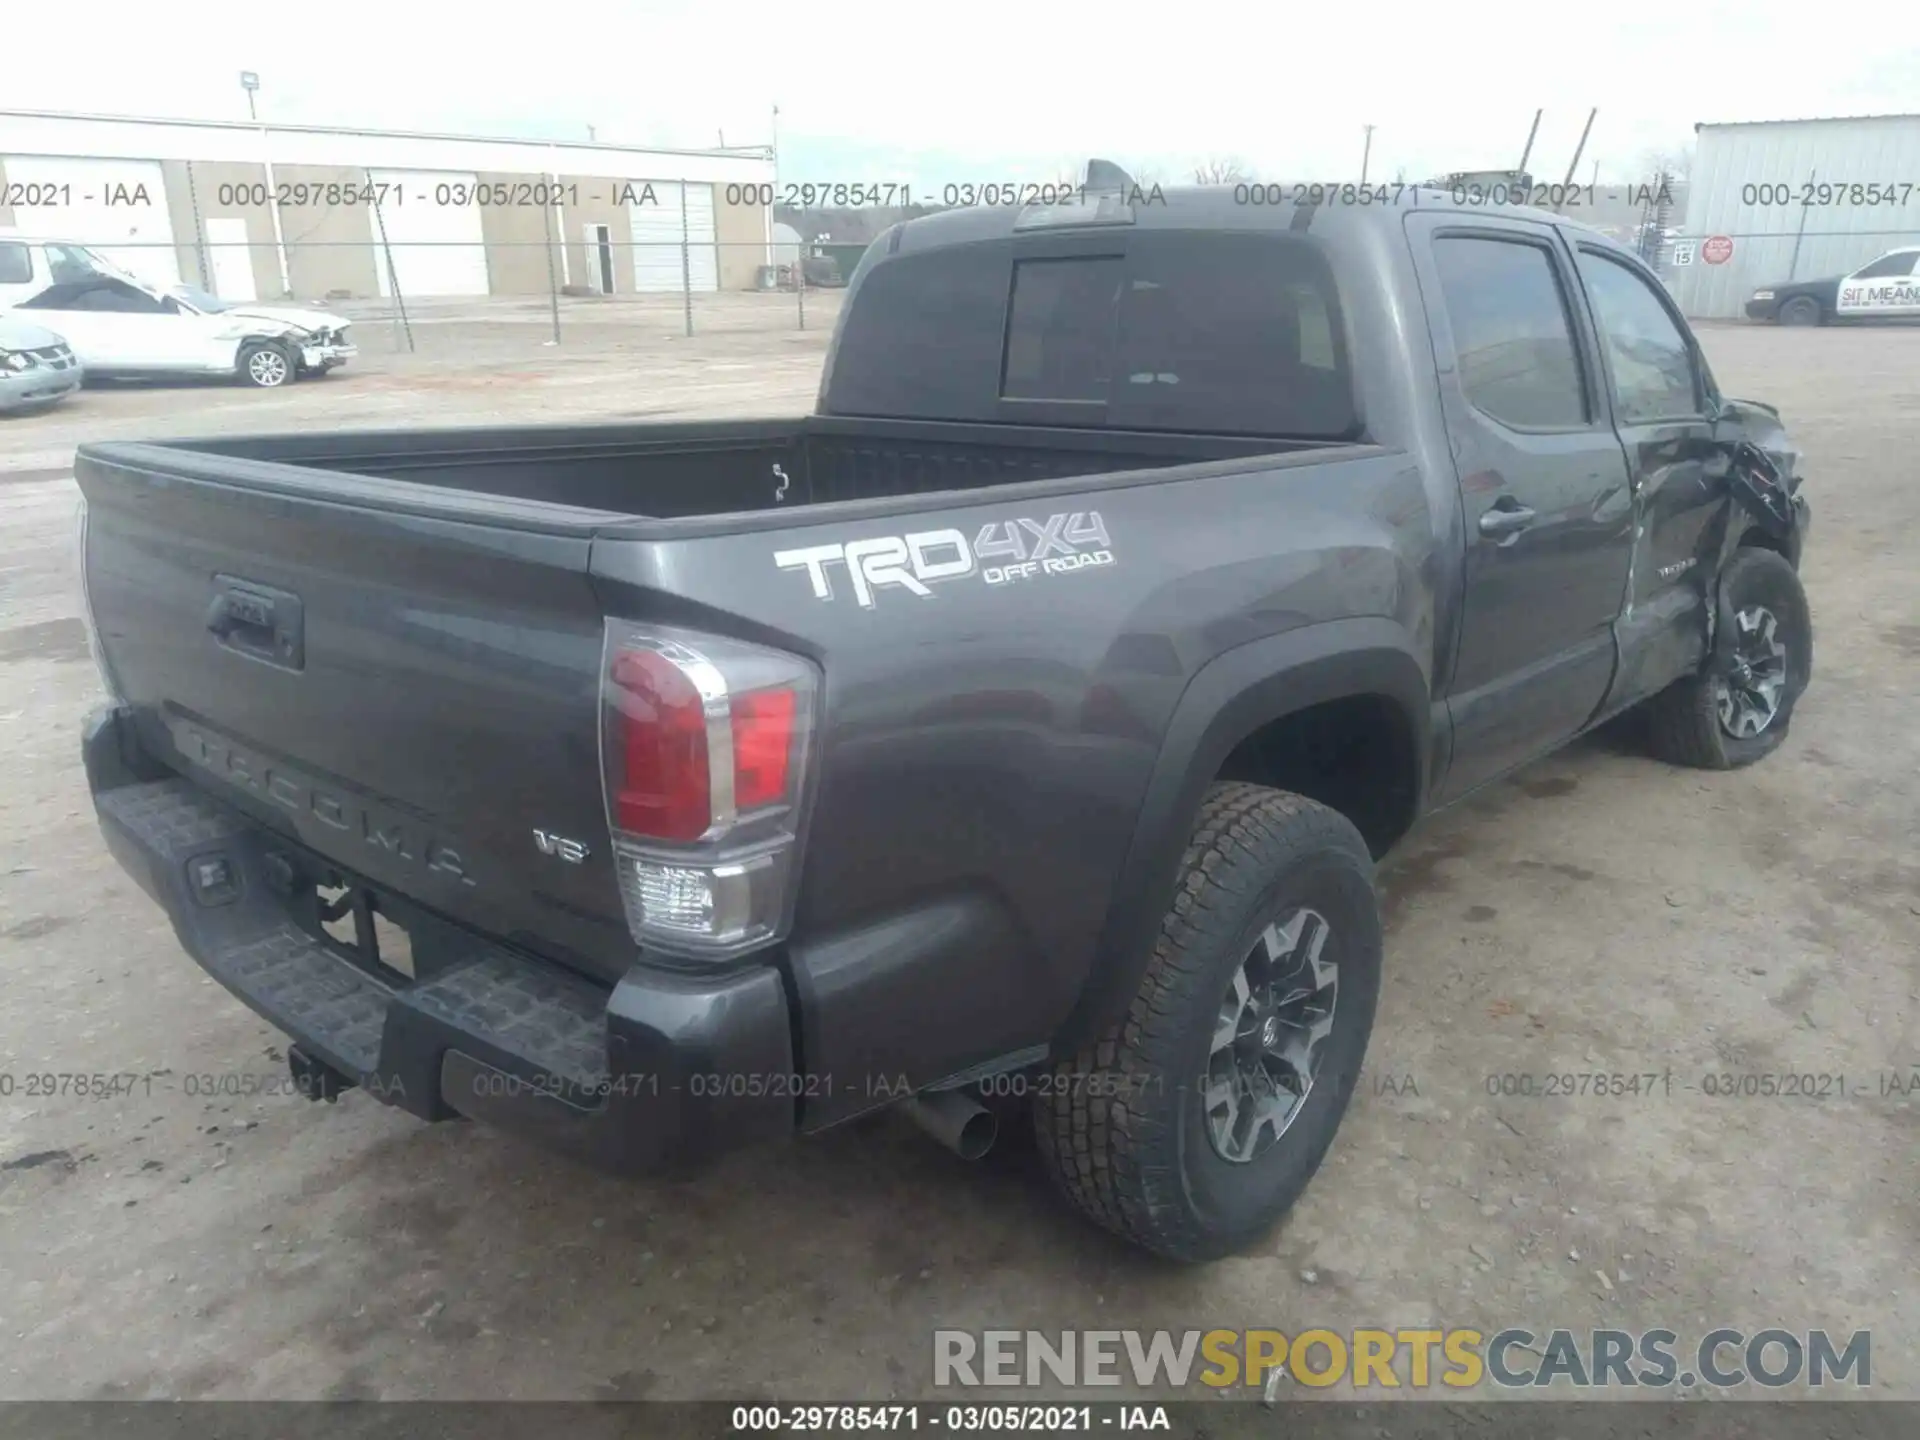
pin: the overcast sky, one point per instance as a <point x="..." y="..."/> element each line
<point x="990" y="88"/>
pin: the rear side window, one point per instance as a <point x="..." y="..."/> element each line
<point x="1511" y="332"/>
<point x="1887" y="266"/>
<point x="16" y="266"/>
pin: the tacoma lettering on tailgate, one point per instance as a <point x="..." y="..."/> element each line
<point x="390" y="834"/>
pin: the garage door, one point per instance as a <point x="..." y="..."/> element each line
<point x="436" y="243"/>
<point x="657" y="233"/>
<point x="118" y="207"/>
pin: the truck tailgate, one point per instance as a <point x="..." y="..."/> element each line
<point x="405" y="680"/>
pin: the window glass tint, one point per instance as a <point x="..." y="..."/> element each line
<point x="114" y="297"/>
<point x="923" y="336"/>
<point x="1223" y="333"/>
<point x="69" y="263"/>
<point x="1061" y="328"/>
<point x="1231" y="333"/>
<point x="16" y="265"/>
<point x="54" y="297"/>
<point x="1651" y="361"/>
<point x="1510" y="331"/>
<point x="1887" y="266"/>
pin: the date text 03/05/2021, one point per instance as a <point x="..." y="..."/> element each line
<point x="1041" y="1419"/>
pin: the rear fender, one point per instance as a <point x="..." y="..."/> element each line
<point x="1231" y="697"/>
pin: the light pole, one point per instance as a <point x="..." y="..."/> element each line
<point x="773" y="256"/>
<point x="250" y="82"/>
<point x="1366" y="153"/>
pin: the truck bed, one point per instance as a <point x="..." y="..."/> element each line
<point x="726" y="467"/>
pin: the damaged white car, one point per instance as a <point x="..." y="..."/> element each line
<point x="119" y="325"/>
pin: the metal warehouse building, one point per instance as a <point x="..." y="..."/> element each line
<point x="1799" y="199"/>
<point x="259" y="211"/>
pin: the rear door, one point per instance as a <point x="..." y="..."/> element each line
<point x="1543" y="484"/>
<point x="403" y="679"/>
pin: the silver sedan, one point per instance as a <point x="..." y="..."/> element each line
<point x="37" y="367"/>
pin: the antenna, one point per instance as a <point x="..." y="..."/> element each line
<point x="1105" y="175"/>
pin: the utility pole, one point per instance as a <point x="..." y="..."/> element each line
<point x="1580" y="149"/>
<point x="1527" y="153"/>
<point x="1366" y="153"/>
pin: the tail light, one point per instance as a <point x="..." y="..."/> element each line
<point x="704" y="750"/>
<point x="94" y="647"/>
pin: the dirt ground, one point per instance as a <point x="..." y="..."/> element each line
<point x="1596" y="913"/>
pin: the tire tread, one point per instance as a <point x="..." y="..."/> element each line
<point x="1116" y="1161"/>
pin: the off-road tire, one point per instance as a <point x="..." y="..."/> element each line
<point x="1683" y="721"/>
<point x="1121" y="1124"/>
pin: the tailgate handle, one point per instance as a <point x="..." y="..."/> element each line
<point x="258" y="621"/>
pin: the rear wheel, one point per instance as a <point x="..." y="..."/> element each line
<point x="1736" y="710"/>
<point x="1194" y="1123"/>
<point x="1801" y="310"/>
<point x="265" y="364"/>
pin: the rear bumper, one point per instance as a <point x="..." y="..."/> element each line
<point x="658" y="1072"/>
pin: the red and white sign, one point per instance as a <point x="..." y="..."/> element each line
<point x="1717" y="250"/>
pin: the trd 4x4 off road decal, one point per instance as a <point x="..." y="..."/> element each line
<point x="1004" y="552"/>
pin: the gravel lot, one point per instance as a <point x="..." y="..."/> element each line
<point x="1596" y="913"/>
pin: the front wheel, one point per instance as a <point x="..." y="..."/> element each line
<point x="1197" y="1120"/>
<point x="264" y="364"/>
<point x="1736" y="710"/>
<point x="1801" y="310"/>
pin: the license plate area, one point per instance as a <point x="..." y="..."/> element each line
<point x="380" y="932"/>
<point x="352" y="918"/>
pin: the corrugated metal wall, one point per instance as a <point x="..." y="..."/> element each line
<point x="1749" y="181"/>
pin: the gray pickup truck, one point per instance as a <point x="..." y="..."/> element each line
<point x="1025" y="721"/>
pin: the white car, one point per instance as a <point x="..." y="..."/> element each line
<point x="121" y="326"/>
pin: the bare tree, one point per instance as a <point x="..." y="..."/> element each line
<point x="1674" y="164"/>
<point x="1220" y="170"/>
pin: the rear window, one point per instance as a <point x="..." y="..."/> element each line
<point x="922" y="336"/>
<point x="16" y="266"/>
<point x="1231" y="333"/>
<point x="1062" y="329"/>
<point x="1221" y="333"/>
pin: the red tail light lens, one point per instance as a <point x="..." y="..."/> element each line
<point x="662" y="787"/>
<point x="705" y="745"/>
<point x="762" y="747"/>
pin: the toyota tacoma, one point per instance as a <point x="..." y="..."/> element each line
<point x="1028" y="718"/>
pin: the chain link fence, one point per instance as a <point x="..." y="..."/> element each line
<point x="538" y="295"/>
<point x="453" y="298"/>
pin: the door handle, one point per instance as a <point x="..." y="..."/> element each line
<point x="1506" y="519"/>
<point x="258" y="621"/>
